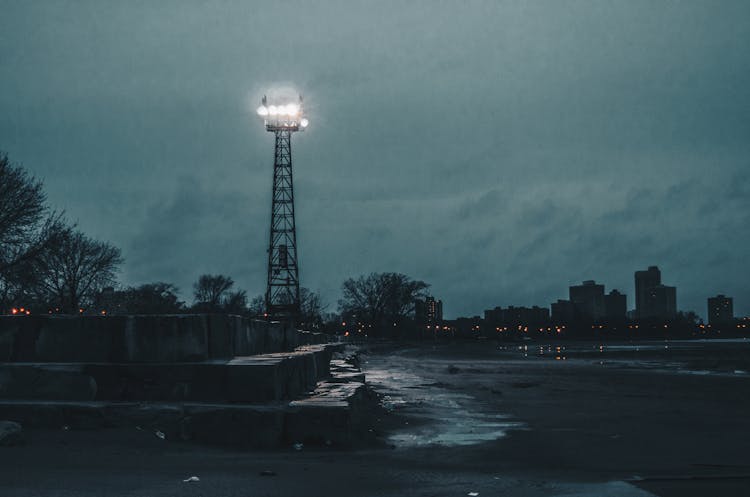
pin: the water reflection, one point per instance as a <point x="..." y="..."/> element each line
<point x="438" y="415"/>
<point x="708" y="356"/>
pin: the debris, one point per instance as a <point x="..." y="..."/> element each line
<point x="139" y="428"/>
<point x="267" y="472"/>
<point x="298" y="446"/>
<point x="66" y="428"/>
<point x="160" y="434"/>
<point x="191" y="479"/>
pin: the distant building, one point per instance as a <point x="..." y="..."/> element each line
<point x="513" y="317"/>
<point x="565" y="312"/>
<point x="720" y="310"/>
<point x="465" y="327"/>
<point x="644" y="281"/>
<point x="615" y="305"/>
<point x="590" y="299"/>
<point x="663" y="301"/>
<point x="527" y="316"/>
<point x="428" y="312"/>
<point x="652" y="298"/>
<point x="110" y="301"/>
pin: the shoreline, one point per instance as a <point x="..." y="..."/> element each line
<point x="586" y="428"/>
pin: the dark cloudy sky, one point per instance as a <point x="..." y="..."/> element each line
<point x="498" y="150"/>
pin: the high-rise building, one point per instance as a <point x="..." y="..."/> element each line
<point x="590" y="299"/>
<point x="428" y="311"/>
<point x="720" y="310"/>
<point x="644" y="281"/>
<point x="615" y="305"/>
<point x="662" y="301"/>
<point x="564" y="312"/>
<point x="653" y="300"/>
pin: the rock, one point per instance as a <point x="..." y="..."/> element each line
<point x="11" y="433"/>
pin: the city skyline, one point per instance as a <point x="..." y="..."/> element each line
<point x="495" y="152"/>
<point x="611" y="296"/>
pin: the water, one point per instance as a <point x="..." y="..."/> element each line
<point x="721" y="357"/>
<point x="438" y="416"/>
<point x="419" y="387"/>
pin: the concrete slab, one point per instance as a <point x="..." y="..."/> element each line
<point x="259" y="378"/>
<point x="55" y="383"/>
<point x="236" y="403"/>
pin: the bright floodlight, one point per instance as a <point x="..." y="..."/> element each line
<point x="283" y="115"/>
<point x="292" y="109"/>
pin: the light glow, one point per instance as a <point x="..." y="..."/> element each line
<point x="282" y="112"/>
<point x="291" y="110"/>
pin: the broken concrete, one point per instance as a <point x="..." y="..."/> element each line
<point x="335" y="412"/>
<point x="258" y="378"/>
<point x="213" y="379"/>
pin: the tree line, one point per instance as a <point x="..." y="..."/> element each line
<point x="47" y="265"/>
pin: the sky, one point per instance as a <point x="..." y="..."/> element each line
<point x="500" y="151"/>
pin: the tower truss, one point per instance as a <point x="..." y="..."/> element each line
<point x="282" y="291"/>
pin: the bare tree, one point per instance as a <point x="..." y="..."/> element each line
<point x="150" y="298"/>
<point x="311" y="309"/>
<point x="257" y="306"/>
<point x="27" y="227"/>
<point x="73" y="270"/>
<point x="210" y="292"/>
<point x="236" y="302"/>
<point x="379" y="299"/>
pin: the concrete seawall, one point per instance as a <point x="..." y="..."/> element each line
<point x="211" y="378"/>
<point x="142" y="339"/>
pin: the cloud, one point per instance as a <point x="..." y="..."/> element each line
<point x="501" y="151"/>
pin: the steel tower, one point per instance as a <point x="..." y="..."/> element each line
<point x="282" y="290"/>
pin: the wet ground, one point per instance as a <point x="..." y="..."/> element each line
<point x="657" y="418"/>
<point x="668" y="417"/>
